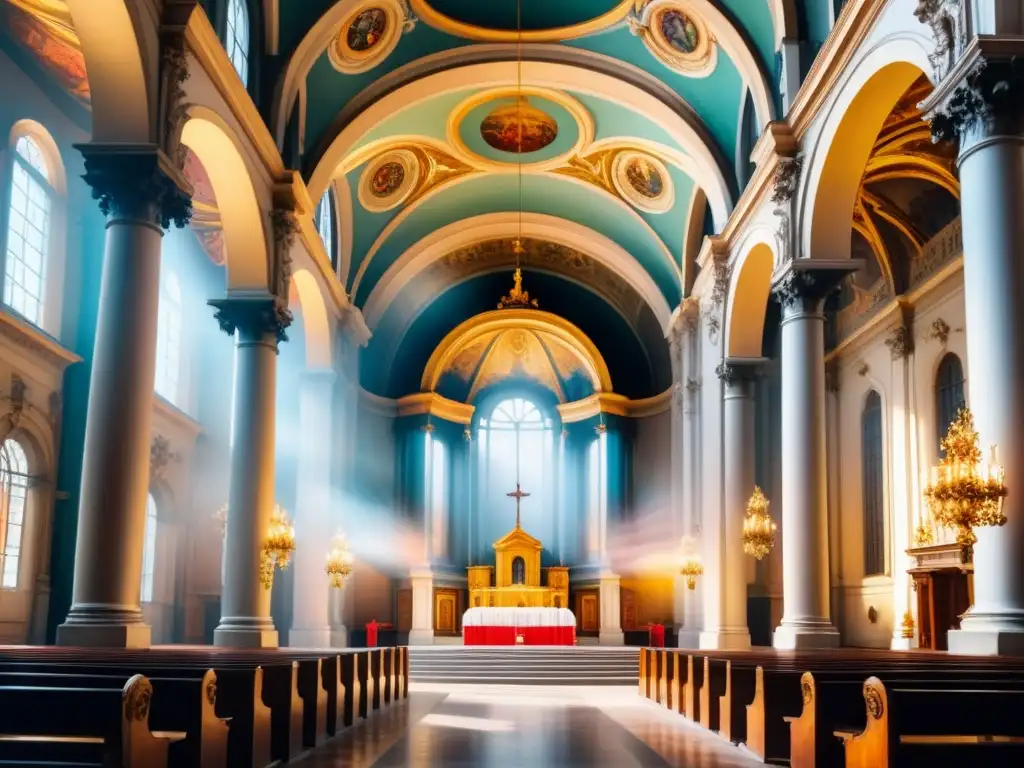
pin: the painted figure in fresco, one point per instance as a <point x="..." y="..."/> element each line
<point x="680" y="31"/>
<point x="645" y="178"/>
<point x="518" y="127"/>
<point x="387" y="179"/>
<point x="367" y="29"/>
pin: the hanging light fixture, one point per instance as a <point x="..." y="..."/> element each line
<point x="965" y="492"/>
<point x="339" y="561"/>
<point x="277" y="547"/>
<point x="692" y="568"/>
<point x="758" y="526"/>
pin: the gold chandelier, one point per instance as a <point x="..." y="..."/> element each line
<point x="758" y="526"/>
<point x="964" y="491"/>
<point x="692" y="568"/>
<point x="277" y="547"/>
<point x="339" y="561"/>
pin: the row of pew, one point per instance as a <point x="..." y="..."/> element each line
<point x="858" y="709"/>
<point x="194" y="708"/>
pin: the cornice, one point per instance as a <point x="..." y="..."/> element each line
<point x="381" y="406"/>
<point x="24" y="334"/>
<point x="176" y="417"/>
<point x="433" y="404"/>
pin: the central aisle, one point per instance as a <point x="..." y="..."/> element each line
<point x="464" y="726"/>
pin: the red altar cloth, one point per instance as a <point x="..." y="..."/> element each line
<point x="657" y="635"/>
<point x="507" y="635"/>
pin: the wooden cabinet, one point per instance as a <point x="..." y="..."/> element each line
<point x="943" y="587"/>
<point x="588" y="611"/>
<point x="446" y="611"/>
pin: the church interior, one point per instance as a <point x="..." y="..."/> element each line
<point x="360" y="352"/>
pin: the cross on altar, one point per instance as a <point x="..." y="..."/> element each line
<point x="518" y="494"/>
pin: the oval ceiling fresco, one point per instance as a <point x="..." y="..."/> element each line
<point x="511" y="128"/>
<point x="534" y="15"/>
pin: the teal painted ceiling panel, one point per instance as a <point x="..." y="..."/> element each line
<point x="533" y="14"/>
<point x="369" y="224"/>
<point x="612" y="120"/>
<point x="671" y="225"/>
<point x="429" y="118"/>
<point x="756" y="19"/>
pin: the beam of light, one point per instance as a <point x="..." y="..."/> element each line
<point x="469" y="723"/>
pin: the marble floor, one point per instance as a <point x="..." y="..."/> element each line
<point x="458" y="726"/>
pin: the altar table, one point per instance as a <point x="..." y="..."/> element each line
<point x="501" y="626"/>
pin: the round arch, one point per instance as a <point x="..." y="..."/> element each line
<point x="707" y="172"/>
<point x="748" y="300"/>
<point x="245" y="246"/>
<point x="314" y="320"/>
<point x="466" y="232"/>
<point x="842" y="149"/>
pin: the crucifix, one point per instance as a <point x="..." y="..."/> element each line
<point x="518" y="494"/>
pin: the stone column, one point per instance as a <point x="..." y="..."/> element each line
<point x="313" y="524"/>
<point x="138" y="192"/>
<point x="985" y="111"/>
<point x="258" y="324"/>
<point x="611" y="611"/>
<point x="339" y="601"/>
<point x="801" y="289"/>
<point x="422" y="632"/>
<point x="738" y="377"/>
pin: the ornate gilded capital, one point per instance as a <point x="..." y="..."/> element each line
<point x="805" y="283"/>
<point x="137" y="182"/>
<point x="900" y="342"/>
<point x="787" y="180"/>
<point x="253" y="317"/>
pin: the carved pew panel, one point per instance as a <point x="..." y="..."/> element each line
<point x="314" y="702"/>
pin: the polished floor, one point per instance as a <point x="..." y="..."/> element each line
<point x="458" y="726"/>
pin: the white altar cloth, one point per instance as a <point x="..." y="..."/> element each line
<point x="518" y="617"/>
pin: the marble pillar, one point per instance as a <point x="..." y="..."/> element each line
<point x="139" y="194"/>
<point x="609" y="594"/>
<point x="257" y="323"/>
<point x="314" y="526"/>
<point x="991" y="135"/>
<point x="738" y="378"/>
<point x="422" y="632"/>
<point x="806" y="619"/>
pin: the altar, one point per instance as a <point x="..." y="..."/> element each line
<point x="519" y="626"/>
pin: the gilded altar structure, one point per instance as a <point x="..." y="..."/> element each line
<point x="515" y="578"/>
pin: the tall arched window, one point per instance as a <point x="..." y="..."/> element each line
<point x="168" y="337"/>
<point x="516" y="442"/>
<point x="28" y="231"/>
<point x="13" y="494"/>
<point x="325" y="226"/>
<point x="149" y="552"/>
<point x="237" y="38"/>
<point x="872" y="469"/>
<point x="949" y="393"/>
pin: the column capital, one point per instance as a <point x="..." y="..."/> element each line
<point x="981" y="96"/>
<point x="804" y="283"/>
<point x="137" y="181"/>
<point x="253" y="316"/>
<point x="739" y="370"/>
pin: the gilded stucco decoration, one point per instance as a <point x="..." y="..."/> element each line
<point x="635" y="176"/>
<point x="676" y="35"/>
<point x="400" y="175"/>
<point x="369" y="35"/>
<point x="45" y="28"/>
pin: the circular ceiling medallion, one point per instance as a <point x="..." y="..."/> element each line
<point x="519" y="127"/>
<point x="500" y="128"/>
<point x="539" y="20"/>
<point x="369" y="35"/>
<point x="678" y="36"/>
<point x="388" y="180"/>
<point x="643" y="181"/>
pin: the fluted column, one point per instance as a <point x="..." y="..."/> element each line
<point x="138" y="192"/>
<point x="738" y="377"/>
<point x="258" y="324"/>
<point x="982" y="105"/>
<point x="311" y="625"/>
<point x="806" y="618"/>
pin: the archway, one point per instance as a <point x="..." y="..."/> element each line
<point x="314" y="320"/>
<point x="749" y="302"/>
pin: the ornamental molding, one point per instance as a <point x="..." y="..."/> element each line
<point x="172" y="106"/>
<point x="732" y="371"/>
<point x="940" y="331"/>
<point x="714" y="309"/>
<point x="646" y="23"/>
<point x="16" y="404"/>
<point x="947" y="20"/>
<point x="161" y="456"/>
<point x="784" y="187"/>
<point x="352" y="59"/>
<point x="254" y="315"/>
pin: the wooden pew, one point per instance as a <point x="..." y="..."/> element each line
<point x="314" y="697"/>
<point x="767" y="733"/>
<point x="732" y="704"/>
<point x="179" y="704"/>
<point x="694" y="680"/>
<point x="828" y="704"/>
<point x="111" y="724"/>
<point x="403" y="671"/>
<point x="336" y="693"/>
<point x="281" y="693"/>
<point x="932" y="726"/>
<point x="711" y="691"/>
<point x="353" y="675"/>
<point x="674" y="688"/>
<point x="643" y="681"/>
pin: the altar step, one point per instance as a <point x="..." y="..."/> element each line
<point x="524" y="665"/>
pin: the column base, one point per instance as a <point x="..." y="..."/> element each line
<point x="102" y="625"/>
<point x="339" y="637"/>
<point x="790" y="637"/>
<point x="993" y="642"/>
<point x="309" y="638"/>
<point x="724" y="640"/>
<point x="421" y="637"/>
<point x="687" y="638"/>
<point x="611" y="637"/>
<point x="245" y="633"/>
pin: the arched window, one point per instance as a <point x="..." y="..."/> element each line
<point x="949" y="393"/>
<point x="237" y="38"/>
<point x="13" y="494"/>
<point x="872" y="468"/>
<point x="168" y="337"/>
<point x="518" y="570"/>
<point x="149" y="552"/>
<point x="325" y="226"/>
<point x="28" y="231"/>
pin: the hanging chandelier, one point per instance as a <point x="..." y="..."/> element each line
<point x="277" y="547"/>
<point x="965" y="492"/>
<point x="758" y="526"/>
<point x="339" y="562"/>
<point x="692" y="568"/>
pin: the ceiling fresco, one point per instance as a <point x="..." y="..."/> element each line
<point x="44" y="28"/>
